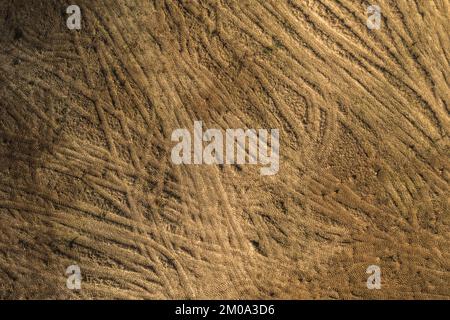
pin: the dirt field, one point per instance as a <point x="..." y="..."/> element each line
<point x="86" y="177"/>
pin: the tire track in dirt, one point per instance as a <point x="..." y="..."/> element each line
<point x="363" y="117"/>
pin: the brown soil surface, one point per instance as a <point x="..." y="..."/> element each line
<point x="86" y="176"/>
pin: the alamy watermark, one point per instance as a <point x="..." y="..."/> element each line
<point x="374" y="19"/>
<point x="230" y="148"/>
<point x="74" y="277"/>
<point x="74" y="20"/>
<point x="374" y="280"/>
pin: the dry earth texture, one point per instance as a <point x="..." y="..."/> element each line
<point x="86" y="177"/>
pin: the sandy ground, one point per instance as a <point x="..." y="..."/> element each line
<point x="86" y="176"/>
